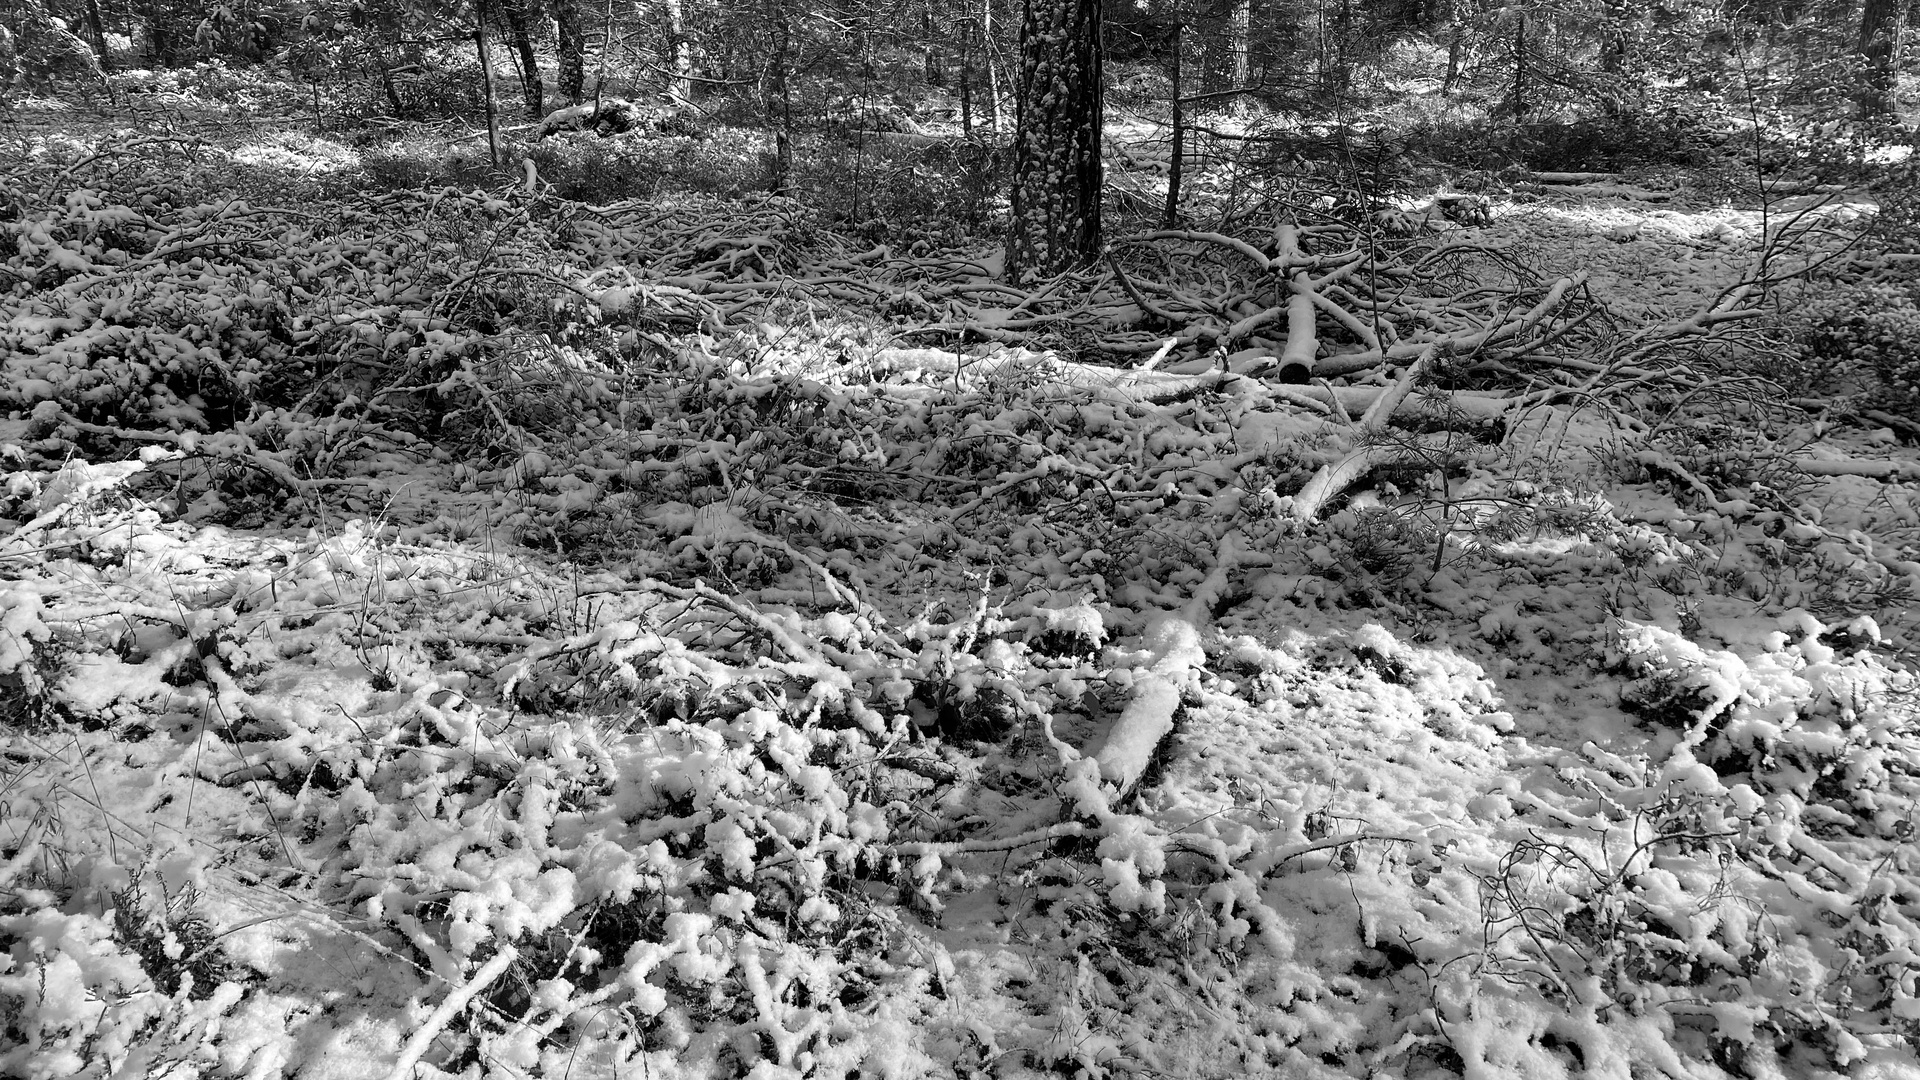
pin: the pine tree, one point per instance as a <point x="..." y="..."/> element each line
<point x="1057" y="176"/>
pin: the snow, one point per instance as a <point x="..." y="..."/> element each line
<point x="944" y="714"/>
<point x="1175" y="650"/>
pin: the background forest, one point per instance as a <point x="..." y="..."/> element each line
<point x="692" y="539"/>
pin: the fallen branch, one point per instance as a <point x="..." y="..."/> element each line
<point x="429" y="1030"/>
<point x="1574" y="177"/>
<point x="1149" y="715"/>
<point x="1898" y="423"/>
<point x="1057" y="831"/>
<point x="1330" y="480"/>
<point x="1875" y="470"/>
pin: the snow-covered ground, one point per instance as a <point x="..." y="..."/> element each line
<point x="883" y="720"/>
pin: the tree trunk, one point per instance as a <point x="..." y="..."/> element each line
<point x="679" y="53"/>
<point x="966" y="80"/>
<point x="779" y="96"/>
<point x="1056" y="145"/>
<point x="1239" y="45"/>
<point x="571" y="51"/>
<point x="9" y="61"/>
<point x="1176" y="164"/>
<point x="933" y="60"/>
<point x="386" y="83"/>
<point x="486" y="87"/>
<point x="515" y="13"/>
<point x="97" y="26"/>
<point x="606" y="50"/>
<point x="1615" y="39"/>
<point x="997" y="122"/>
<point x="1520" y="103"/>
<point x="1882" y="24"/>
<point x="1323" y="49"/>
<point x="160" y="39"/>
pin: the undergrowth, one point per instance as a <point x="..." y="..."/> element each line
<point x="604" y="665"/>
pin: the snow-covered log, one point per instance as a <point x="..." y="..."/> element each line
<point x="1876" y="470"/>
<point x="609" y="116"/>
<point x="1303" y="343"/>
<point x="1148" y="717"/>
<point x="1617" y="191"/>
<point x="1550" y="177"/>
<point x="1330" y="480"/>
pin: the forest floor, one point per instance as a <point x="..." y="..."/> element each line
<point x="761" y="693"/>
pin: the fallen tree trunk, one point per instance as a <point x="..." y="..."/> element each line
<point x="1616" y="191"/>
<point x="1573" y="177"/>
<point x="1875" y="470"/>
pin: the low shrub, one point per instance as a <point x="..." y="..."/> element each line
<point x="641" y="164"/>
<point x="1870" y="330"/>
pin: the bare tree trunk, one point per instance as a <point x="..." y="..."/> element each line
<point x="679" y="53"/>
<point x="486" y="87"/>
<point x="1882" y="25"/>
<point x="1613" y="56"/>
<point x="9" y="61"/>
<point x="1239" y="47"/>
<point x="97" y="26"/>
<point x="1341" y="41"/>
<point x="1176" y="164"/>
<point x="966" y="79"/>
<point x="386" y="83"/>
<point x="571" y="51"/>
<point x="515" y="13"/>
<point x="1322" y="49"/>
<point x="998" y="122"/>
<point x="1520" y="104"/>
<point x="160" y="39"/>
<point x="1057" y="177"/>
<point x="606" y="50"/>
<point x="779" y="100"/>
<point x="933" y="59"/>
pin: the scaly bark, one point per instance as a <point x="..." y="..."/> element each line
<point x="1882" y="25"/>
<point x="571" y="48"/>
<point x="1057" y="176"/>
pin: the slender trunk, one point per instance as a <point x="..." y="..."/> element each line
<point x="1520" y="67"/>
<point x="933" y="61"/>
<point x="997" y="119"/>
<point x="9" y="63"/>
<point x="1176" y="165"/>
<point x="1057" y="177"/>
<point x="486" y="88"/>
<point x="160" y="42"/>
<point x="386" y="83"/>
<point x="97" y="26"/>
<point x="966" y="80"/>
<point x="530" y="87"/>
<point x="570" y="50"/>
<point x="779" y="102"/>
<point x="1239" y="51"/>
<point x="1323" y="49"/>
<point x="1342" y="51"/>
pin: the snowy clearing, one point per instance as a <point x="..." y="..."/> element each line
<point x="721" y="689"/>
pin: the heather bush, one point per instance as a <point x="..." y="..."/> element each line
<point x="1870" y="330"/>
